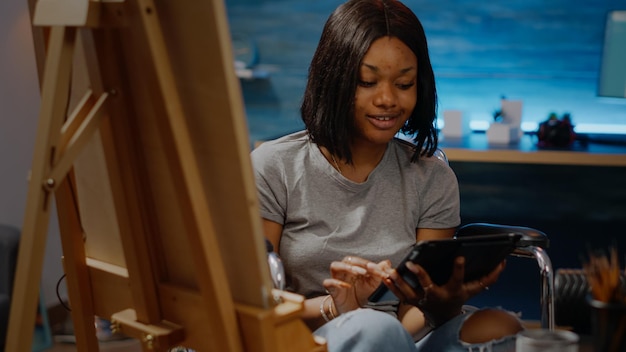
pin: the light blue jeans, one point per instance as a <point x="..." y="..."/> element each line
<point x="371" y="330"/>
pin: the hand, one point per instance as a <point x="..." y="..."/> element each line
<point x="351" y="284"/>
<point x="440" y="303"/>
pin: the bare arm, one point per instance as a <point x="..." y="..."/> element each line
<point x="433" y="234"/>
<point x="311" y="315"/>
<point x="272" y="231"/>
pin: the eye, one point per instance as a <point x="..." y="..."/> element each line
<point x="366" y="84"/>
<point x="406" y="86"/>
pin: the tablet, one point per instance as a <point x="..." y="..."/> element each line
<point x="482" y="254"/>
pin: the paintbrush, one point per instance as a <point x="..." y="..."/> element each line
<point x="603" y="276"/>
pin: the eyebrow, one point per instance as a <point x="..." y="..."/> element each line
<point x="375" y="68"/>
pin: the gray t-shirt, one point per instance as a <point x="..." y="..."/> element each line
<point x="326" y="216"/>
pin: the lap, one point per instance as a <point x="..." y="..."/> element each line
<point x="371" y="330"/>
<point x="366" y="330"/>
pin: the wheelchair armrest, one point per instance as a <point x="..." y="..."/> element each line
<point x="9" y="243"/>
<point x="530" y="236"/>
<point x="277" y="270"/>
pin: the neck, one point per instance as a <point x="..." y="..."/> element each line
<point x="368" y="154"/>
<point x="364" y="160"/>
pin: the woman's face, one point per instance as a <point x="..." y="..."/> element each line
<point x="386" y="93"/>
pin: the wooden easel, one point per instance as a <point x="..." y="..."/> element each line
<point x="152" y="180"/>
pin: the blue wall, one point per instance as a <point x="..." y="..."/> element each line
<point x="546" y="53"/>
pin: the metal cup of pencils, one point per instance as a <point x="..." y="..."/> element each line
<point x="544" y="340"/>
<point x="607" y="301"/>
<point x="608" y="324"/>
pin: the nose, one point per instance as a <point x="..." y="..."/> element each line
<point x="385" y="95"/>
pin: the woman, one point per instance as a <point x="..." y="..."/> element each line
<point x="348" y="197"/>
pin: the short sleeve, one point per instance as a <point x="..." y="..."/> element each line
<point x="440" y="198"/>
<point x="269" y="179"/>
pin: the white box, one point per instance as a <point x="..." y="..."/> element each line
<point x="502" y="133"/>
<point x="454" y="125"/>
<point x="511" y="112"/>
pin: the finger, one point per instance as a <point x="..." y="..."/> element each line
<point x="422" y="276"/>
<point x="483" y="283"/>
<point x="357" y="261"/>
<point x="392" y="287"/>
<point x="458" y="272"/>
<point x="475" y="287"/>
<point x="492" y="277"/>
<point x="332" y="284"/>
<point x="343" y="267"/>
<point x="385" y="264"/>
<point x="408" y="292"/>
<point x="379" y="270"/>
<point x="483" y="286"/>
<point x="341" y="271"/>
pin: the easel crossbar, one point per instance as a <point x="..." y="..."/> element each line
<point x="76" y="142"/>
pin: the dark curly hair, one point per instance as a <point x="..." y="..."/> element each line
<point x="328" y="104"/>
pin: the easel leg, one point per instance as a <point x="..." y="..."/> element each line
<point x="78" y="284"/>
<point x="55" y="92"/>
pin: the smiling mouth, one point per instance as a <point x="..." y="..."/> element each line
<point x="383" y="117"/>
<point x="384" y="122"/>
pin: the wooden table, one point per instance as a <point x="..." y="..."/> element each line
<point x="475" y="148"/>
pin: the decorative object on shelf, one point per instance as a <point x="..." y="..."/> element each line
<point x="555" y="132"/>
<point x="497" y="114"/>
<point x="247" y="59"/>
<point x="506" y="127"/>
<point x="455" y="125"/>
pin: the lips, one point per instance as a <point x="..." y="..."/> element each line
<point x="383" y="121"/>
